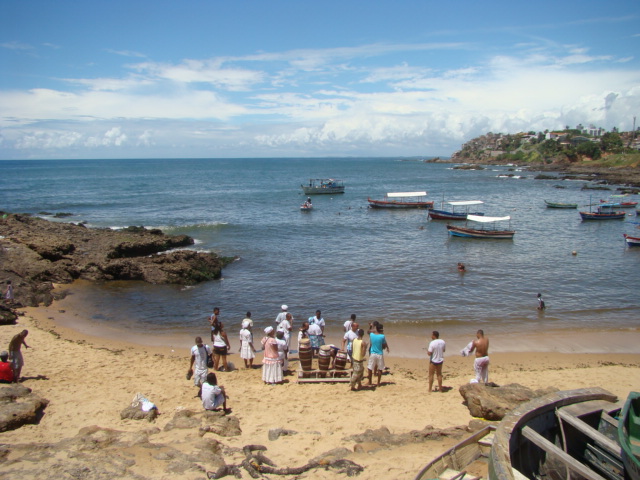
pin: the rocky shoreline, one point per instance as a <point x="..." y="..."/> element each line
<point x="36" y="253"/>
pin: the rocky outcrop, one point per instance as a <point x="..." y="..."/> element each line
<point x="19" y="406"/>
<point x="493" y="402"/>
<point x="34" y="253"/>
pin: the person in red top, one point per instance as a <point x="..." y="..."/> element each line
<point x="6" y="373"/>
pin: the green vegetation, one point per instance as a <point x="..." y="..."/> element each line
<point x="611" y="149"/>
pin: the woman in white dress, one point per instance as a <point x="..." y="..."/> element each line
<point x="247" y="351"/>
<point x="271" y="368"/>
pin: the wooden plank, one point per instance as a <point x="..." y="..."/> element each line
<point x="564" y="457"/>
<point x="585" y="408"/>
<point x="600" y="439"/>
<point x="609" y="419"/>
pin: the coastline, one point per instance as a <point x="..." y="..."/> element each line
<point x="90" y="379"/>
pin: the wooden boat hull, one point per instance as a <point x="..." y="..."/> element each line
<point x="560" y="205"/>
<point x="322" y="190"/>
<point x="632" y="241"/>
<point x="602" y="216"/>
<point x="305" y="209"/>
<point x="445" y="215"/>
<point x="398" y="204"/>
<point x="474" y="448"/>
<point x="629" y="435"/>
<point x="526" y="441"/>
<point x="480" y="233"/>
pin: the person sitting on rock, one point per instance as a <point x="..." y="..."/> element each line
<point x="213" y="395"/>
<point x="6" y="372"/>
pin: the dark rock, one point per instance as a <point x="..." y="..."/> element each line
<point x="7" y="316"/>
<point x="136" y="413"/>
<point x="276" y="433"/>
<point x="19" y="406"/>
<point x="35" y="253"/>
<point x="493" y="402"/>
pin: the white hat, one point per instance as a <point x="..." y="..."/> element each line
<point x="245" y="323"/>
<point x="268" y="330"/>
<point x="284" y="307"/>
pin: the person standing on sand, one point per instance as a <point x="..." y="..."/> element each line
<point x="376" y="355"/>
<point x="15" y="354"/>
<point x="317" y="320"/>
<point x="481" y="364"/>
<point x="247" y="350"/>
<point x="436" y="359"/>
<point x="247" y="319"/>
<point x="271" y="368"/>
<point x="8" y="293"/>
<point x="282" y="315"/>
<point x="358" y="353"/>
<point x="349" y="337"/>
<point x="199" y="355"/>
<point x="221" y="347"/>
<point x="348" y="323"/>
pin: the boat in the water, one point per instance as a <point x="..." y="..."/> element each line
<point x="307" y="206"/>
<point x="564" y="435"/>
<point x="629" y="435"/>
<point x="560" y="205"/>
<point x="452" y="214"/>
<point x="619" y="204"/>
<point x="487" y="227"/>
<point x="632" y="241"/>
<point x="323" y="186"/>
<point x="402" y="200"/>
<point x="604" y="211"/>
<point x="467" y="460"/>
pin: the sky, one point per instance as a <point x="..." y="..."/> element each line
<point x="296" y="78"/>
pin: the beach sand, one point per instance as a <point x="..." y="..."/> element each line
<point x="89" y="380"/>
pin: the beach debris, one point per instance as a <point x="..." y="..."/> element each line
<point x="257" y="464"/>
<point x="493" y="402"/>
<point x="19" y="406"/>
<point x="276" y="433"/>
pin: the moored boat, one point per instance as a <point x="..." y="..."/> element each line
<point x="618" y="204"/>
<point x="323" y="186"/>
<point x="468" y="457"/>
<point x="486" y="228"/>
<point x="631" y="241"/>
<point x="402" y="200"/>
<point x="560" y="205"/>
<point x="629" y="435"/>
<point x="452" y="214"/>
<point x="603" y="212"/>
<point x="568" y="434"/>
<point x="307" y="206"/>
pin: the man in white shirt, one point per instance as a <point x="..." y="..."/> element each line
<point x="348" y="323"/>
<point x="348" y="339"/>
<point x="436" y="359"/>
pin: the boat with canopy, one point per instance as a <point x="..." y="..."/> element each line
<point x="451" y="214"/>
<point x="402" y="200"/>
<point x="487" y="227"/>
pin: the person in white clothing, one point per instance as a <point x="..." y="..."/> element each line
<point x="316" y="337"/>
<point x="282" y="315"/>
<point x="349" y="337"/>
<point x="286" y="326"/>
<point x="317" y="320"/>
<point x="200" y="353"/>
<point x="348" y="323"/>
<point x="436" y="359"/>
<point x="213" y="395"/>
<point x="247" y="350"/>
<point x="283" y="350"/>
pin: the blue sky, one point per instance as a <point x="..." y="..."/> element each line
<point x="139" y="79"/>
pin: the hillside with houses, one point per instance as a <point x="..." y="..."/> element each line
<point x="576" y="145"/>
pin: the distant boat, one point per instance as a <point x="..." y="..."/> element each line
<point x="452" y="214"/>
<point x="487" y="228"/>
<point x="560" y="205"/>
<point x="323" y="186"/>
<point x="402" y="200"/>
<point x="307" y="206"/>
<point x="616" y="204"/>
<point x="456" y="461"/>
<point x="632" y="241"/>
<point x="629" y="435"/>
<point x="603" y="212"/>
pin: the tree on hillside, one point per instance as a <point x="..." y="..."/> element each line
<point x="611" y="142"/>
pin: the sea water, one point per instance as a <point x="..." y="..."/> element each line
<point x="397" y="267"/>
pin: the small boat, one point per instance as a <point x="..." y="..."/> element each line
<point x="402" y="200"/>
<point x="603" y="212"/>
<point x="632" y="241"/>
<point x="466" y="459"/>
<point x="306" y="206"/>
<point x="486" y="229"/>
<point x="323" y="186"/>
<point x="560" y="205"/>
<point x="452" y="214"/>
<point x="629" y="435"/>
<point x="567" y="434"/>
<point x="620" y="204"/>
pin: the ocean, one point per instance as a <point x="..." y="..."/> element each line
<point x="396" y="267"/>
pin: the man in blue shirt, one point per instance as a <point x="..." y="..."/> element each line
<point x="376" y="355"/>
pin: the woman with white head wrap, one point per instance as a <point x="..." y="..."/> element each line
<point x="271" y="368"/>
<point x="247" y="350"/>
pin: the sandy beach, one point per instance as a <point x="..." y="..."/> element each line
<point x="89" y="380"/>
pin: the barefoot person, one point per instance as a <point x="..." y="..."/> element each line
<point x="376" y="355"/>
<point x="358" y="353"/>
<point x="247" y="350"/>
<point x="221" y="348"/>
<point x="481" y="365"/>
<point x="436" y="359"/>
<point x="15" y="354"/>
<point x="200" y="353"/>
<point x="213" y="395"/>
